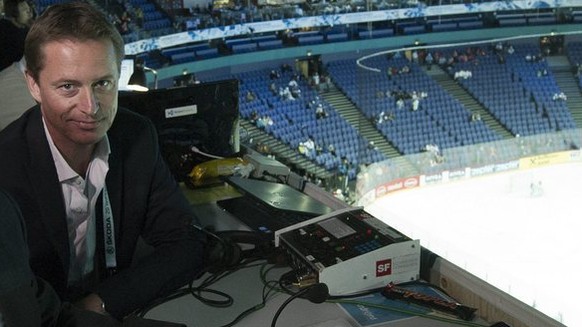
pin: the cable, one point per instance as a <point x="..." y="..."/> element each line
<point x="201" y="291"/>
<point x="197" y="291"/>
<point x="268" y="290"/>
<point x="196" y="150"/>
<point x="266" y="293"/>
<point x="291" y="298"/>
<point x="354" y="295"/>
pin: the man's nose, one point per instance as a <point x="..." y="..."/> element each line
<point x="89" y="103"/>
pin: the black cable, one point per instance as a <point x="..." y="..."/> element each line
<point x="197" y="291"/>
<point x="354" y="295"/>
<point x="254" y="308"/>
<point x="190" y="289"/>
<point x="316" y="293"/>
<point x="268" y="289"/>
<point x="291" y="298"/>
<point x="286" y="280"/>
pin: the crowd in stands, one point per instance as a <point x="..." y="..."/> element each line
<point x="132" y="19"/>
<point x="286" y="86"/>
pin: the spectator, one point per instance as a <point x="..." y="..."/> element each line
<point x="124" y="22"/>
<point x="475" y="117"/>
<point x="320" y="112"/>
<point x="250" y="96"/>
<point x="561" y="96"/>
<point x="13" y="30"/>
<point x="315" y="80"/>
<point x="384" y="117"/>
<point x="139" y="16"/>
<point x="415" y="104"/>
<point x="429" y="60"/>
<point x="285" y="93"/>
<point x="261" y="123"/>
<point x="331" y="149"/>
<point x="307" y="148"/>
<point x="273" y="88"/>
<point x="254" y="117"/>
<point x="293" y="83"/>
<point x="463" y="74"/>
<point x="399" y="103"/>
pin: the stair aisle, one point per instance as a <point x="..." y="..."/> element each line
<point x="449" y="85"/>
<point x="352" y="115"/>
<point x="365" y="128"/>
<point x="568" y="84"/>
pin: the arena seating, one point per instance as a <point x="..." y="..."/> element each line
<point x="441" y="120"/>
<point x="519" y="93"/>
<point x="294" y="121"/>
<point x="574" y="53"/>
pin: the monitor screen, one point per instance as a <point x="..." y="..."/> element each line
<point x="125" y="73"/>
<point x="203" y="115"/>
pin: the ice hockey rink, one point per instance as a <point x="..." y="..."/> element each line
<point x="520" y="231"/>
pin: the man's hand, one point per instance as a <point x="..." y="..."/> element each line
<point x="92" y="302"/>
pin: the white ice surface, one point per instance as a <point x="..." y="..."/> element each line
<point x="525" y="243"/>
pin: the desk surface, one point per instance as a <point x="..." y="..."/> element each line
<point x="246" y="288"/>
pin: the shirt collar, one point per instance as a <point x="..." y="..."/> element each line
<point x="64" y="171"/>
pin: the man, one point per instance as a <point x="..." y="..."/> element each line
<point x="89" y="177"/>
<point x="29" y="301"/>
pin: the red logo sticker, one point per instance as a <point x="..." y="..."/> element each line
<point x="384" y="267"/>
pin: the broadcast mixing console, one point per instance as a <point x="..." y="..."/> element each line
<point x="350" y="251"/>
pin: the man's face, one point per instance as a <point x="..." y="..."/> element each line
<point x="77" y="91"/>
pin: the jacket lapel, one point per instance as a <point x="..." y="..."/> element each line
<point x="45" y="182"/>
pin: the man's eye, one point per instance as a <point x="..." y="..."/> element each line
<point x="67" y="87"/>
<point x="104" y="84"/>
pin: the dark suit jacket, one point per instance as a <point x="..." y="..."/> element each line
<point x="25" y="301"/>
<point x="145" y="199"/>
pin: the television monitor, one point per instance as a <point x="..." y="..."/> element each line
<point x="204" y="116"/>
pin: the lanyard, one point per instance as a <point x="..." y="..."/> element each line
<point x="108" y="231"/>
